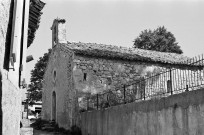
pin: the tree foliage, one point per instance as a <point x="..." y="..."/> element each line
<point x="35" y="87"/>
<point x="157" y="40"/>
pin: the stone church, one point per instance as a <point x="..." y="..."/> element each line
<point x="75" y="69"/>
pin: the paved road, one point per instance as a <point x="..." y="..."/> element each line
<point x="39" y="132"/>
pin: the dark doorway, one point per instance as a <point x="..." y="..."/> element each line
<point x="54" y="106"/>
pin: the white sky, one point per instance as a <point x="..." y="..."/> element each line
<point x="119" y="22"/>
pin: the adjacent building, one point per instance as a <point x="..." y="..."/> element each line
<point x="19" y="20"/>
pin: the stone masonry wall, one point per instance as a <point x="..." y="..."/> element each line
<point x="11" y="108"/>
<point x="58" y="78"/>
<point x="93" y="75"/>
<point x="9" y="91"/>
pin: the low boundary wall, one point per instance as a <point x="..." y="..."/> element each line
<point x="180" y="114"/>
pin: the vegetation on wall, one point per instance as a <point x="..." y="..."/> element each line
<point x="157" y="40"/>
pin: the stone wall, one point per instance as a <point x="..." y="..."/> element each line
<point x="94" y="75"/>
<point x="9" y="90"/>
<point x="11" y="108"/>
<point x="58" y="77"/>
<point x="180" y="114"/>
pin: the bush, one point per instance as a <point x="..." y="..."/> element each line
<point x="38" y="124"/>
<point x="75" y="130"/>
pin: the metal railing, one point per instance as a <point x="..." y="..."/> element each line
<point x="165" y="83"/>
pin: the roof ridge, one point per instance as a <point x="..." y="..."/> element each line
<point x="123" y="47"/>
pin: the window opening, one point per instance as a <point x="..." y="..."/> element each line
<point x="55" y="74"/>
<point x="85" y="77"/>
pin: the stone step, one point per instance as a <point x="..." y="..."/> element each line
<point x="25" y="122"/>
<point x="26" y="131"/>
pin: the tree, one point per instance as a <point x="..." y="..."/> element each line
<point x="157" y="40"/>
<point x="35" y="88"/>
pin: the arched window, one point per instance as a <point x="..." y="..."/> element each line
<point x="54" y="75"/>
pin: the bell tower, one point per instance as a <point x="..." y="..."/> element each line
<point x="58" y="31"/>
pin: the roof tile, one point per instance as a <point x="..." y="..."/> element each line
<point x="132" y="54"/>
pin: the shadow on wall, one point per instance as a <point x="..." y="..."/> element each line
<point x="8" y="37"/>
<point x="1" y="114"/>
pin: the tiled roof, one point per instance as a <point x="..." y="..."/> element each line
<point x="132" y="54"/>
<point x="34" y="19"/>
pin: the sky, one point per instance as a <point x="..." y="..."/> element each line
<point x="119" y="22"/>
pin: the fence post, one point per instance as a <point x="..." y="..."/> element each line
<point x="143" y="83"/>
<point x="124" y="95"/>
<point x="186" y="87"/>
<point x="171" y="83"/>
<point x="97" y="100"/>
<point x="87" y="103"/>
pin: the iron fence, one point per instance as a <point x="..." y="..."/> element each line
<point x="157" y="85"/>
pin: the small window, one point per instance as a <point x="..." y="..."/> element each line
<point x="55" y="35"/>
<point x="55" y="75"/>
<point x="85" y="77"/>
